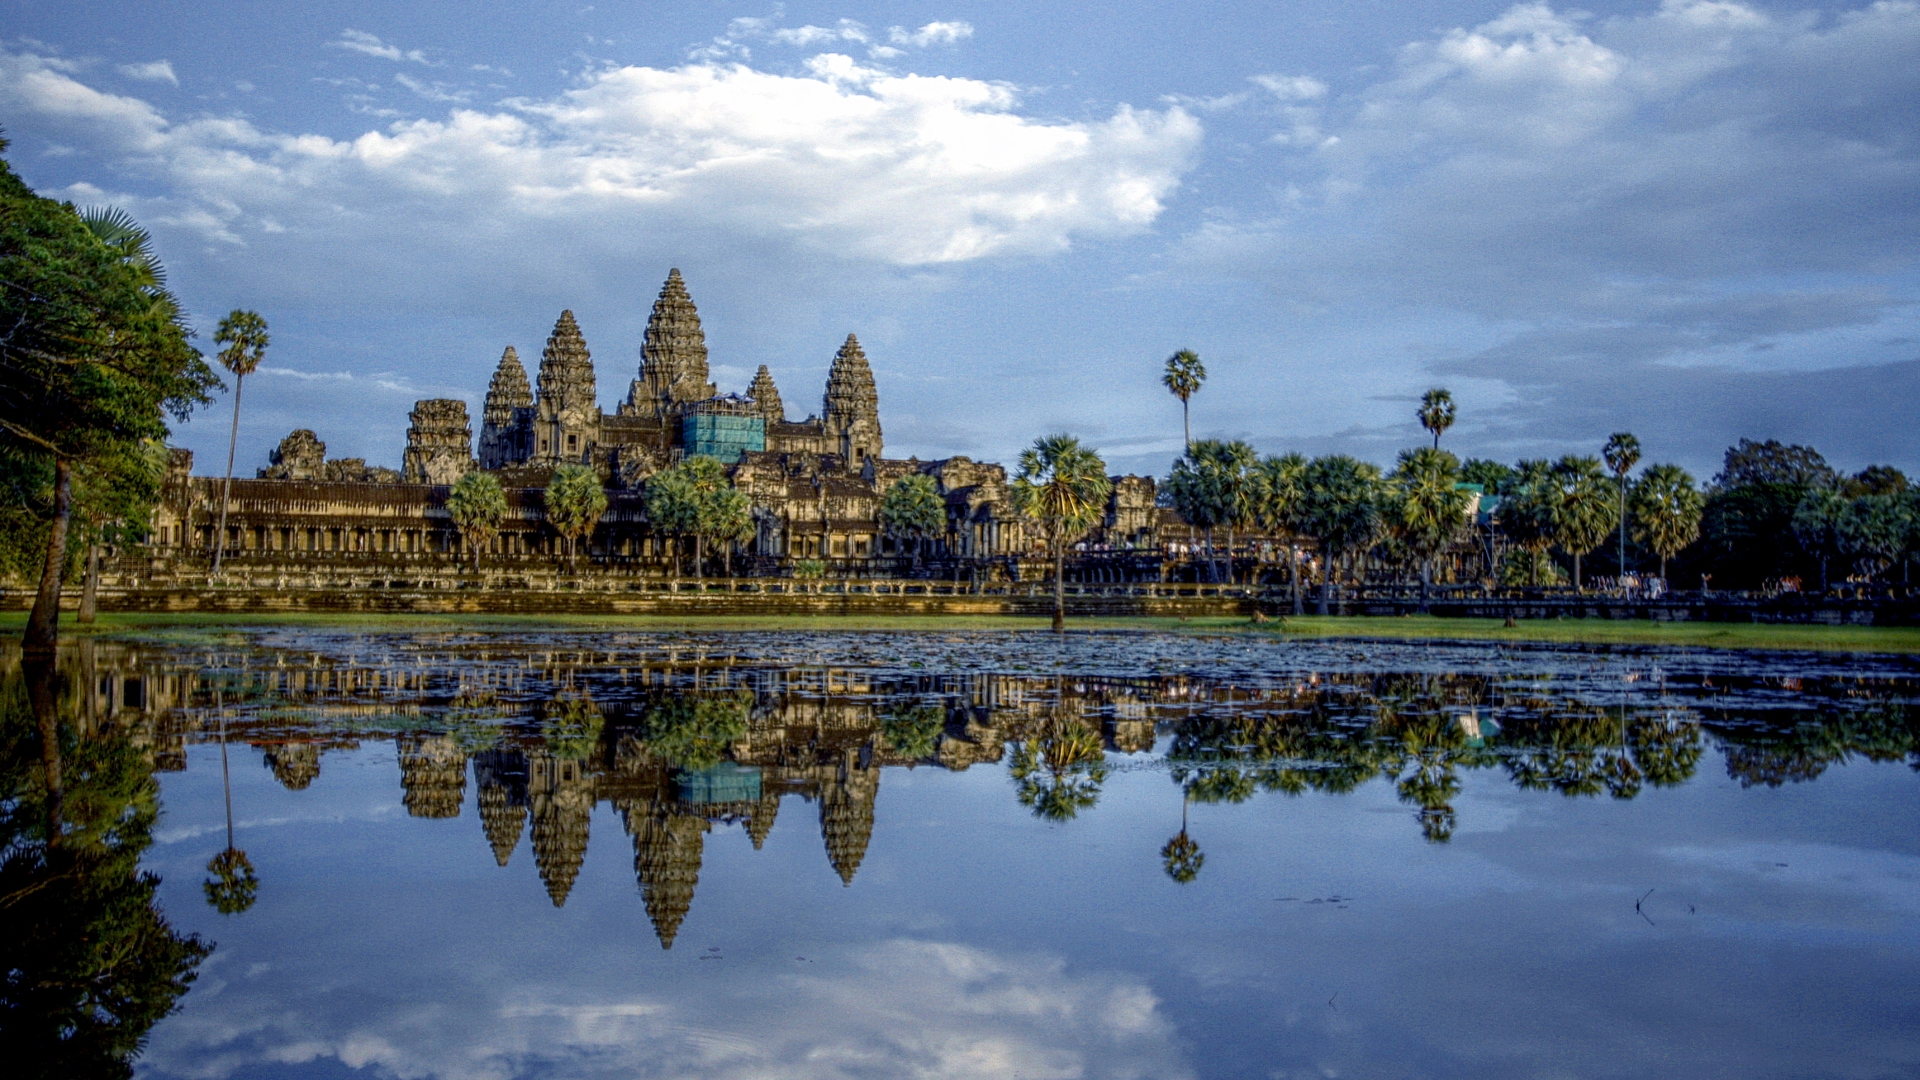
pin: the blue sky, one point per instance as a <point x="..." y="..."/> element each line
<point x="1695" y="221"/>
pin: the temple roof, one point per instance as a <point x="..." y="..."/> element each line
<point x="566" y="367"/>
<point x="850" y="389"/>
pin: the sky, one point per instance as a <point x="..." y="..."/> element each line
<point x="1695" y="221"/>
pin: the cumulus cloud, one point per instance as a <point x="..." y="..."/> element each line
<point x="898" y="169"/>
<point x="899" y="1008"/>
<point x="1674" y="187"/>
<point x="934" y="33"/>
<point x="153" y="71"/>
<point x="366" y="44"/>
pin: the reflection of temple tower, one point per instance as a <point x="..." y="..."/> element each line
<point x="667" y="848"/>
<point x="501" y="777"/>
<point x="846" y="814"/>
<point x="760" y="818"/>
<point x="295" y="765"/>
<point x="560" y="793"/>
<point x="434" y="773"/>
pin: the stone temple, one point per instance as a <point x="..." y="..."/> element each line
<point x="815" y="483"/>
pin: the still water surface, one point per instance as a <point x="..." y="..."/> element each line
<point x="845" y="855"/>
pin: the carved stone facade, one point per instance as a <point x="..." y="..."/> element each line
<point x="816" y="484"/>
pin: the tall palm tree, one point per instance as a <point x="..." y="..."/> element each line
<point x="1436" y="412"/>
<point x="1063" y="487"/>
<point x="1528" y="511"/>
<point x="477" y="505"/>
<point x="1279" y="493"/>
<point x="1584" y="515"/>
<point x="243" y="335"/>
<point x="1212" y="487"/>
<point x="233" y="886"/>
<point x="1182" y="857"/>
<point x="1666" y="511"/>
<point x="1429" y="508"/>
<point x="1184" y="376"/>
<point x="1341" y="509"/>
<point x="1622" y="453"/>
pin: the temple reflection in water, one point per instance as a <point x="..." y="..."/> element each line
<point x="679" y="741"/>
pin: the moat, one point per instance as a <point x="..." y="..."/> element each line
<point x="532" y="853"/>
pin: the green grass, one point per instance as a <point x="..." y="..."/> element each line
<point x="1412" y="628"/>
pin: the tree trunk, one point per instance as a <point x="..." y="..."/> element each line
<point x="43" y="624"/>
<point x="1623" y="527"/>
<point x="729" y="559"/>
<point x="1576" y="573"/>
<point x="1663" y="568"/>
<point x="1293" y="569"/>
<point x="1059" y="587"/>
<point x="1426" y="576"/>
<point x="699" y="556"/>
<point x="1326" y="581"/>
<point x="226" y="489"/>
<point x="1186" y="422"/>
<point x="43" y="698"/>
<point x="90" y="587"/>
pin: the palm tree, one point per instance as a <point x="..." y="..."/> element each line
<point x="1816" y="524"/>
<point x="1436" y="412"/>
<point x="244" y="335"/>
<point x="1279" y="493"/>
<point x="912" y="507"/>
<point x="726" y="518"/>
<point x="1211" y="486"/>
<point x="233" y="886"/>
<point x="1528" y="511"/>
<point x="1622" y="453"/>
<point x="1184" y="376"/>
<point x="1584" y="515"/>
<point x="1181" y="856"/>
<point x="575" y="500"/>
<point x="1062" y="486"/>
<point x="1341" y="509"/>
<point x="1058" y="769"/>
<point x="1428" y="507"/>
<point x="477" y="506"/>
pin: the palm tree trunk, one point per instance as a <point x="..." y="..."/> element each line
<point x="1576" y="572"/>
<point x="1186" y="422"/>
<point x="699" y="556"/>
<point x="90" y="587"/>
<point x="1623" y="527"/>
<point x="1326" y="581"/>
<point x="43" y="625"/>
<point x="226" y="489"/>
<point x="1426" y="576"/>
<point x="1293" y="571"/>
<point x="1059" y="587"/>
<point x="43" y="698"/>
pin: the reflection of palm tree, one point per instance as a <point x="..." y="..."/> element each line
<point x="1182" y="857"/>
<point x="1060" y="769"/>
<point x="233" y="886"/>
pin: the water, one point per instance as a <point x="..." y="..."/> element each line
<point x="846" y="855"/>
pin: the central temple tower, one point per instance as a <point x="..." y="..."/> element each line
<point x="673" y="360"/>
<point x="850" y="412"/>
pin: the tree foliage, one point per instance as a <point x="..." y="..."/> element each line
<point x="1666" y="511"/>
<point x="912" y="507"/>
<point x="1062" y="487"/>
<point x="477" y="506"/>
<point x="575" y="500"/>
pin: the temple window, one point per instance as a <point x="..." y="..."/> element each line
<point x="573" y="443"/>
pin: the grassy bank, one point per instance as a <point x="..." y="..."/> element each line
<point x="1413" y="628"/>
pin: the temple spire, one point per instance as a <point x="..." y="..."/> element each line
<point x="566" y="368"/>
<point x="766" y="396"/>
<point x="673" y="361"/>
<point x="851" y="409"/>
<point x="509" y="396"/>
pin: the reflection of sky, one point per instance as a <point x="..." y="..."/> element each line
<point x="1778" y="938"/>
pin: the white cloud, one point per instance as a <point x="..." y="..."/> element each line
<point x="367" y="44"/>
<point x="898" y="169"/>
<point x="152" y="71"/>
<point x="934" y="33"/>
<point x="1291" y="87"/>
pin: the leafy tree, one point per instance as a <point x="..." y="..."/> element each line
<point x="1817" y="524"/>
<point x="1584" y="513"/>
<point x="88" y="963"/>
<point x="1059" y="769"/>
<point x="1341" y="509"/>
<point x="113" y="497"/>
<point x="477" y="506"/>
<point x="679" y="501"/>
<point x="912" y="507"/>
<point x="1875" y="531"/>
<point x="243" y="338"/>
<point x="94" y="358"/>
<point x="1063" y="487"/>
<point x="913" y="730"/>
<point x="575" y="500"/>
<point x="1878" y="480"/>
<point x="1666" y="511"/>
<point x="693" y="731"/>
<point x="1621" y="454"/>
<point x="1750" y="463"/>
<point x="1212" y="487"/>
<point x="1528" y="513"/>
<point x="726" y="519"/>
<point x="1494" y="477"/>
<point x="1279" y="493"/>
<point x="1183" y="377"/>
<point x="571" y="724"/>
<point x="1437" y="412"/>
<point x="1426" y="508"/>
